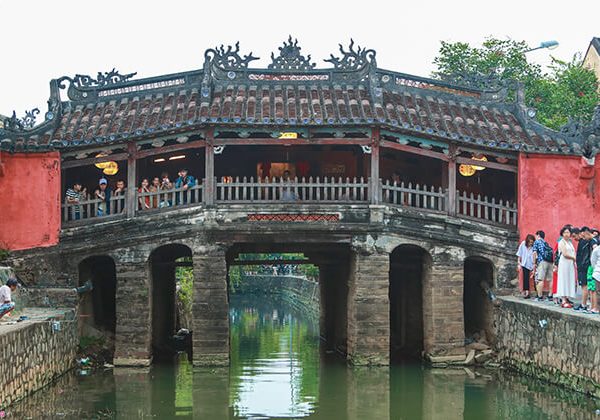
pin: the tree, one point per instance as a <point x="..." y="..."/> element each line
<point x="568" y="90"/>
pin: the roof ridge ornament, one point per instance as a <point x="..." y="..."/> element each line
<point x="107" y="78"/>
<point x="228" y="58"/>
<point x="27" y="122"/>
<point x="290" y="58"/>
<point x="353" y="59"/>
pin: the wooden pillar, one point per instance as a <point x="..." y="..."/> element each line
<point x="452" y="182"/>
<point x="209" y="170"/>
<point x="131" y="202"/>
<point x="374" y="192"/>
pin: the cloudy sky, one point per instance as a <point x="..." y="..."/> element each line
<point x="42" y="40"/>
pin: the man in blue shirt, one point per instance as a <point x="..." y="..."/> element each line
<point x="542" y="264"/>
<point x="184" y="182"/>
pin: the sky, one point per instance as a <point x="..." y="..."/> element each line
<point x="42" y="40"/>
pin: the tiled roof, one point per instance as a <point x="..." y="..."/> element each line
<point x="227" y="92"/>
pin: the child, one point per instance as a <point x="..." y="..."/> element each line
<point x="595" y="272"/>
<point x="591" y="286"/>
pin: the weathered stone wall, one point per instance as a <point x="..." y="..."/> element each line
<point x="33" y="355"/>
<point x="559" y="347"/>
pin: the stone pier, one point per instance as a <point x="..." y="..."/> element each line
<point x="369" y="309"/>
<point x="210" y="309"/>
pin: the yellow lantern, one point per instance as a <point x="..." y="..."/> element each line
<point x="111" y="168"/>
<point x="467" y="170"/>
<point x="101" y="165"/>
<point x="480" y="158"/>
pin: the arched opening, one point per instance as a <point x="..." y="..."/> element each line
<point x="171" y="267"/>
<point x="478" y="308"/>
<point x="409" y="265"/>
<point x="97" y="308"/>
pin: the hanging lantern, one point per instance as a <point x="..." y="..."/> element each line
<point x="466" y="170"/>
<point x="101" y="165"/>
<point x="111" y="168"/>
<point x="480" y="158"/>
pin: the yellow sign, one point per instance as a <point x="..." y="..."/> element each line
<point x="480" y="158"/>
<point x="288" y="135"/>
<point x="111" y="169"/>
<point x="467" y="170"/>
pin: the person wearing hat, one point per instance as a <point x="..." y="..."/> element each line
<point x="6" y="303"/>
<point x="102" y="193"/>
<point x="184" y="182"/>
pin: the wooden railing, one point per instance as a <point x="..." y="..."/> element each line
<point x="420" y="196"/>
<point x="476" y="207"/>
<point x="306" y="190"/>
<point x="303" y="190"/>
<point x="91" y="208"/>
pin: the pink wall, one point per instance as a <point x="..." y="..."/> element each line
<point x="553" y="191"/>
<point x="29" y="200"/>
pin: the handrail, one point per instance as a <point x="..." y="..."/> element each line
<point x="326" y="190"/>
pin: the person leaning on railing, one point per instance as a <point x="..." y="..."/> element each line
<point x="287" y="191"/>
<point x="165" y="185"/>
<point x="184" y="182"/>
<point x="144" y="198"/>
<point x="73" y="197"/>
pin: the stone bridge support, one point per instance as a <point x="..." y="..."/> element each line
<point x="133" y="335"/>
<point x="443" y="315"/>
<point x="369" y="309"/>
<point x="210" y="308"/>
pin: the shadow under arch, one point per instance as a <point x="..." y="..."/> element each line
<point x="98" y="307"/>
<point x="477" y="305"/>
<point x="163" y="262"/>
<point x="410" y="266"/>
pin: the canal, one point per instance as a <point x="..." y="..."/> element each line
<point x="278" y="371"/>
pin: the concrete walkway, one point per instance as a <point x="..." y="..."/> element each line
<point x="551" y="307"/>
<point x="9" y="324"/>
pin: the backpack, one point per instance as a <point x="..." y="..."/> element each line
<point x="547" y="253"/>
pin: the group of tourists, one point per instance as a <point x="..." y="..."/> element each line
<point x="557" y="271"/>
<point x="103" y="193"/>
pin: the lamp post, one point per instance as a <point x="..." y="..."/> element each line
<point x="545" y="44"/>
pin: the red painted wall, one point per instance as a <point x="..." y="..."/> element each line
<point x="552" y="193"/>
<point x="29" y="200"/>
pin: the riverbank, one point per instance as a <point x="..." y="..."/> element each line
<point x="542" y="340"/>
<point x="35" y="351"/>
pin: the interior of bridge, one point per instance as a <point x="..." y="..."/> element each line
<point x="477" y="305"/>
<point x="167" y="320"/>
<point x="409" y="265"/>
<point x="97" y="309"/>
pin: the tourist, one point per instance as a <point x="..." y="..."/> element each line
<point x="287" y="193"/>
<point x="155" y="188"/>
<point x="595" y="271"/>
<point x="6" y="303"/>
<point x="102" y="194"/>
<point x="73" y="197"/>
<point x="184" y="182"/>
<point x="525" y="262"/>
<point x="566" y="268"/>
<point x="144" y="201"/>
<point x="120" y="190"/>
<point x="166" y="200"/>
<point x="583" y="262"/>
<point x="542" y="265"/>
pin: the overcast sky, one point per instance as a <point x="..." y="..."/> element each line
<point x="42" y="40"/>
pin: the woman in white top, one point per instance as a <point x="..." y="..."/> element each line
<point x="566" y="268"/>
<point x="525" y="262"/>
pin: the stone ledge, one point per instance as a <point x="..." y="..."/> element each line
<point x="130" y="362"/>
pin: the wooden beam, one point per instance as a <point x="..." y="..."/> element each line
<point x="374" y="184"/>
<point x="131" y="203"/>
<point x="492" y="165"/>
<point x="452" y="183"/>
<point x="293" y="142"/>
<point x="209" y="169"/>
<point x="167" y="149"/>
<point x="414" y="150"/>
<point x="91" y="161"/>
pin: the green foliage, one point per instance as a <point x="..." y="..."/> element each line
<point x="185" y="278"/>
<point x="568" y="90"/>
<point x="4" y="254"/>
<point x="87" y="342"/>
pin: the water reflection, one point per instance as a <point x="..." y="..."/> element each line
<point x="277" y="371"/>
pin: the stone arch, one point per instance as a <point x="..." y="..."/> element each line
<point x="477" y="298"/>
<point x="164" y="320"/>
<point x="98" y="307"/>
<point x="410" y="267"/>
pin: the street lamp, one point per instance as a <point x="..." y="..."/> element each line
<point x="545" y="44"/>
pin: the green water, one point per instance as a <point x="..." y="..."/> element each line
<point x="277" y="371"/>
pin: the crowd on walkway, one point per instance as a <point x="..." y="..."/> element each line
<point x="161" y="186"/>
<point x="556" y="271"/>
